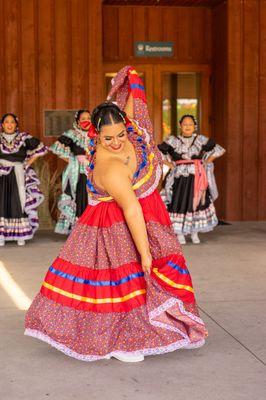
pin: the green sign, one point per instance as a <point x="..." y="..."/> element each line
<point x="154" y="49"/>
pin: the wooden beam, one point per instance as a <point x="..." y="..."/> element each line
<point x="235" y="111"/>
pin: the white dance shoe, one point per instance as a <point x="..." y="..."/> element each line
<point x="127" y="357"/>
<point x="2" y="242"/>
<point x="181" y="238"/>
<point x="21" y="242"/>
<point x="195" y="238"/>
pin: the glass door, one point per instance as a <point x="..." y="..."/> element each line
<point x="180" y="95"/>
<point x="181" y="90"/>
<point x="172" y="91"/>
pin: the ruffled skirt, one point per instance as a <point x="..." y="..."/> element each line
<point x="70" y="208"/>
<point x="14" y="222"/>
<point x="185" y="220"/>
<point x="96" y="301"/>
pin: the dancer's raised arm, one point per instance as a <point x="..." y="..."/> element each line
<point x="129" y="93"/>
<point x="129" y="107"/>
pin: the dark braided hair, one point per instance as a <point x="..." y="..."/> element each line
<point x="188" y="116"/>
<point x="78" y="114"/>
<point x="107" y="113"/>
<point x="9" y="115"/>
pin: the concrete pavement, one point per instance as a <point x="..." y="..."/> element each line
<point x="228" y="271"/>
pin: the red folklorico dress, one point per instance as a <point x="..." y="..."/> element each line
<point x="95" y="300"/>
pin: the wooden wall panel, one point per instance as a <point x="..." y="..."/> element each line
<point x="125" y="25"/>
<point x="125" y="30"/>
<point x="63" y="75"/>
<point x="183" y="3"/>
<point x="170" y="27"/>
<point x="183" y="42"/>
<point x="262" y="114"/>
<point x="111" y="34"/>
<point x="11" y="57"/>
<point x="2" y="54"/>
<point x="234" y="99"/>
<point x="154" y="22"/>
<point x="219" y="96"/>
<point x="250" y="109"/>
<point x="139" y="26"/>
<point x="245" y="103"/>
<point x="95" y="74"/>
<point x="51" y="52"/>
<point x="200" y="35"/>
<point x="79" y="42"/>
<point x="45" y="62"/>
<point x="28" y="73"/>
<point x="207" y="51"/>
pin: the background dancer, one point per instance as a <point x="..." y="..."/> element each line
<point x="120" y="286"/>
<point x="19" y="186"/>
<point x="190" y="187"/>
<point x="71" y="147"/>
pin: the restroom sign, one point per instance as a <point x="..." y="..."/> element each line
<point x="154" y="49"/>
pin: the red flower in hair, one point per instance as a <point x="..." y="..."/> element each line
<point x="128" y="122"/>
<point x="92" y="132"/>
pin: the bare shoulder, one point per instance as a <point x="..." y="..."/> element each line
<point x="115" y="179"/>
<point x="113" y="171"/>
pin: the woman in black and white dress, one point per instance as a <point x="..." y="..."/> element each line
<point x="190" y="188"/>
<point x="19" y="186"/>
<point x="71" y="146"/>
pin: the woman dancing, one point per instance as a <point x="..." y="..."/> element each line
<point x="120" y="286"/>
<point x="19" y="186"/>
<point x="190" y="187"/>
<point x="71" y="146"/>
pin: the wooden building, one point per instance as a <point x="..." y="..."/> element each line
<point x="61" y="54"/>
